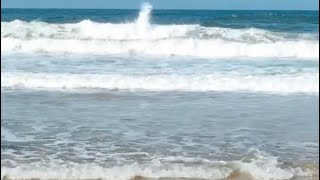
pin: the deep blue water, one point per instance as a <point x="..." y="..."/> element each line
<point x="296" y="21"/>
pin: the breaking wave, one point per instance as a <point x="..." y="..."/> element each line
<point x="141" y="37"/>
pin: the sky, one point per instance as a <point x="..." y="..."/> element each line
<point x="166" y="4"/>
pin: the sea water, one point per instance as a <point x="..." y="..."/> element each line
<point x="173" y="94"/>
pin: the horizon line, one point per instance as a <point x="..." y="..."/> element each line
<point x="162" y="9"/>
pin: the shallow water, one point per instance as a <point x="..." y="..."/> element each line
<point x="190" y="135"/>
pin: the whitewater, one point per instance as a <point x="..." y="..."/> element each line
<point x="141" y="37"/>
<point x="146" y="40"/>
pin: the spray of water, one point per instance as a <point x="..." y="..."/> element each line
<point x="143" y="21"/>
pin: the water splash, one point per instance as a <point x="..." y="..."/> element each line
<point x="143" y="21"/>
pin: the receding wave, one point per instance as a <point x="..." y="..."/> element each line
<point x="144" y="38"/>
<point x="299" y="83"/>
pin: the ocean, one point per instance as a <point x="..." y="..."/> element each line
<point x="159" y="94"/>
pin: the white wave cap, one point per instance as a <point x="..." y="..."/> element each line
<point x="300" y="83"/>
<point x="143" y="38"/>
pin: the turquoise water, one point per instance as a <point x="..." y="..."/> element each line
<point x="176" y="94"/>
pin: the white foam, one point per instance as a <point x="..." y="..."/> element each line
<point x="299" y="83"/>
<point x="261" y="167"/>
<point x="114" y="173"/>
<point x="168" y="47"/>
<point x="143" y="38"/>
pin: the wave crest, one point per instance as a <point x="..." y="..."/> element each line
<point x="143" y="38"/>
